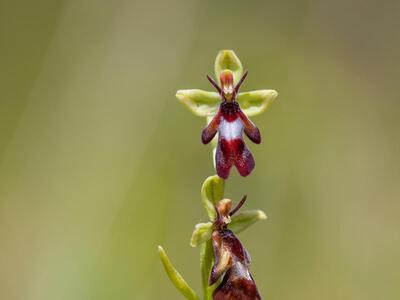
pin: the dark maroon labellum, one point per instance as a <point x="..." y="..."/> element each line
<point x="231" y="259"/>
<point x="230" y="122"/>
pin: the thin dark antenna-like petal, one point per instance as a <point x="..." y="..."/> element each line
<point x="238" y="206"/>
<point x="237" y="87"/>
<point x="214" y="84"/>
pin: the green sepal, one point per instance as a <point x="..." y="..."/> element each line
<point x="175" y="277"/>
<point x="199" y="102"/>
<point x="228" y="60"/>
<point x="255" y="102"/>
<point x="201" y="233"/>
<point x="211" y="192"/>
<point x="244" y="219"/>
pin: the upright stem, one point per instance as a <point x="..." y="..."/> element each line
<point x="206" y="262"/>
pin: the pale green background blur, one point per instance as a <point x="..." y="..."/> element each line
<point x="99" y="163"/>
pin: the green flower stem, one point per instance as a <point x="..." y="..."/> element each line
<point x="206" y="262"/>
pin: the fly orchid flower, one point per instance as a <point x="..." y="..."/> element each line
<point x="231" y="259"/>
<point x="230" y="122"/>
<point x="227" y="112"/>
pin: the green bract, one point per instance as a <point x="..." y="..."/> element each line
<point x="211" y="192"/>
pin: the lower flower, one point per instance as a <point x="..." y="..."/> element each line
<point x="231" y="259"/>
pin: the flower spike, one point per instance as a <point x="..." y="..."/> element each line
<point x="224" y="262"/>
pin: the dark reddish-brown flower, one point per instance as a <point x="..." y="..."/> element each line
<point x="231" y="259"/>
<point x="230" y="122"/>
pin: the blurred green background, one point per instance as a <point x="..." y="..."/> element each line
<point x="99" y="163"/>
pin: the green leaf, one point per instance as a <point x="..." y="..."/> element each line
<point x="211" y="192"/>
<point x="244" y="219"/>
<point x="201" y="233"/>
<point x="228" y="60"/>
<point x="176" y="278"/>
<point x="199" y="102"/>
<point x="255" y="102"/>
